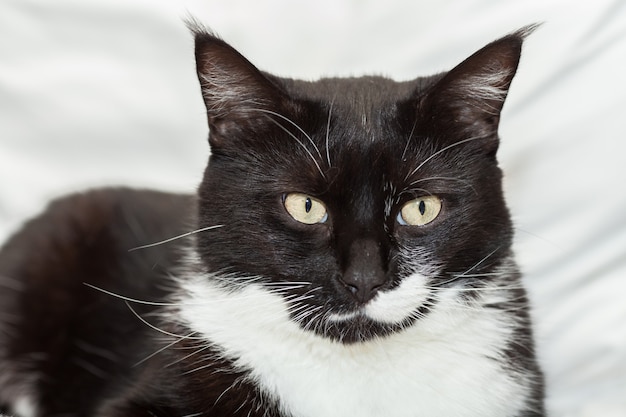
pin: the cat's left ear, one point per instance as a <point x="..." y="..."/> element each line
<point x="469" y="98"/>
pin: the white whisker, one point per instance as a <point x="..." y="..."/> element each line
<point x="162" y="304"/>
<point x="296" y="308"/>
<point x="235" y="382"/>
<point x="307" y="313"/>
<point x="295" y="138"/>
<point x="294" y="125"/>
<point x="153" y="327"/>
<point x="164" y="348"/>
<point x="469" y="289"/>
<point x="128" y="299"/>
<point x="414" y="190"/>
<point x="330" y="110"/>
<point x="484" y="274"/>
<point x="408" y="141"/>
<point x="476" y="265"/>
<point x="464" y="182"/>
<point x="150" y="245"/>
<point x="195" y="352"/>
<point x="301" y="145"/>
<point x="461" y="142"/>
<point x="199" y="368"/>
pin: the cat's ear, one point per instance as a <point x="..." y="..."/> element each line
<point x="469" y="98"/>
<point x="236" y="94"/>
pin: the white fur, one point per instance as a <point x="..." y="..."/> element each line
<point x="487" y="88"/>
<point x="396" y="305"/>
<point x="17" y="387"/>
<point x="25" y="407"/>
<point x="444" y="365"/>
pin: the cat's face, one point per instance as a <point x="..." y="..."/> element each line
<point x="356" y="200"/>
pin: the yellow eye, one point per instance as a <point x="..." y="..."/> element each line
<point x="305" y="209"/>
<point x="420" y="211"/>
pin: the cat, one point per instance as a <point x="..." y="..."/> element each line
<point x="348" y="253"/>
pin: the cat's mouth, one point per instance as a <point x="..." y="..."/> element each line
<point x="355" y="327"/>
<point x="358" y="327"/>
<point x="389" y="312"/>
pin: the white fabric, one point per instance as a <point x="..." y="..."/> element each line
<point x="103" y="92"/>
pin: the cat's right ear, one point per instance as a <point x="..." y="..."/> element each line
<point x="236" y="94"/>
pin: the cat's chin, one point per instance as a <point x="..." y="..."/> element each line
<point x="357" y="327"/>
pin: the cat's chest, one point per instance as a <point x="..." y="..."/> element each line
<point x="443" y="367"/>
<point x="395" y="381"/>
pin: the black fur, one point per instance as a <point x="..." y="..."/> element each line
<point x="83" y="352"/>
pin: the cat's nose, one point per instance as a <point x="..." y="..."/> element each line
<point x="365" y="273"/>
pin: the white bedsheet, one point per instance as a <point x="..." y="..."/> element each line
<point x="103" y="92"/>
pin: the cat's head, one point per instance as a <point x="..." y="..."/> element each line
<point x="358" y="200"/>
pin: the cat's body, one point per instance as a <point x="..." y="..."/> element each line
<point x="352" y="257"/>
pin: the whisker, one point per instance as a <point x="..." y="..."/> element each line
<point x="281" y="287"/>
<point x="408" y="141"/>
<point x="195" y="352"/>
<point x="484" y="274"/>
<point x="153" y="327"/>
<point x="129" y="299"/>
<point x="199" y="368"/>
<point x="461" y="142"/>
<point x="510" y="287"/>
<point x="307" y="313"/>
<point x="162" y="304"/>
<point x="209" y="358"/>
<point x="295" y="137"/>
<point x="288" y="120"/>
<point x="481" y="308"/>
<point x="418" y="315"/>
<point x="295" y="298"/>
<point x="169" y="345"/>
<point x="413" y="190"/>
<point x="314" y="321"/>
<point x="288" y="283"/>
<point x="237" y="381"/>
<point x="479" y="305"/>
<point x="464" y="182"/>
<point x="302" y="145"/>
<point x="296" y="308"/>
<point x="330" y="110"/>
<point x="476" y="265"/>
<point x="150" y="245"/>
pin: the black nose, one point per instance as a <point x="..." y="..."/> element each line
<point x="365" y="273"/>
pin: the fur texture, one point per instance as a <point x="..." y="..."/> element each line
<point x="251" y="311"/>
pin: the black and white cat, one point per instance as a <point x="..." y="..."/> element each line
<point x="348" y="253"/>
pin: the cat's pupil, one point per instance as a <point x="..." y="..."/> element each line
<point x="422" y="207"/>
<point x="308" y="204"/>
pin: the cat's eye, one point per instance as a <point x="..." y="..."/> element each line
<point x="305" y="209"/>
<point x="420" y="212"/>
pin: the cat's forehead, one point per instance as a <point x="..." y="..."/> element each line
<point x="356" y="92"/>
<point x="354" y="108"/>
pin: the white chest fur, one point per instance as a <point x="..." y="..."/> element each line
<point x="445" y="365"/>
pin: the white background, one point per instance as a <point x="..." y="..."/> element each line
<point x="103" y="92"/>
